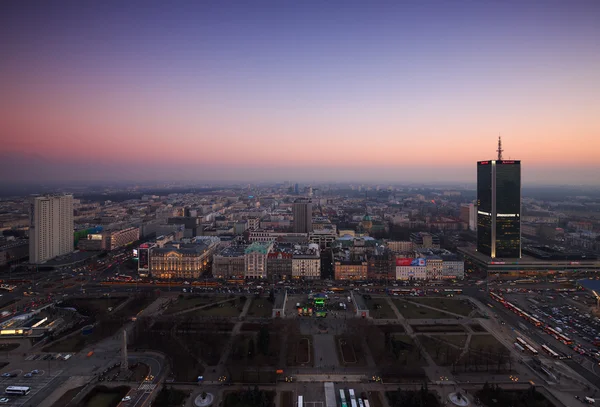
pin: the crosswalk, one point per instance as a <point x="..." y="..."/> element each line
<point x="147" y="387"/>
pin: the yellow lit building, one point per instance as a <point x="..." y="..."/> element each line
<point x="350" y="270"/>
<point x="187" y="261"/>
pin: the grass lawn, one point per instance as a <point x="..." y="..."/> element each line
<point x="102" y="396"/>
<point x="411" y="310"/>
<point x="477" y="328"/>
<point x="228" y="309"/>
<point x="486" y="343"/>
<point x="300" y="351"/>
<point x="456" y="340"/>
<point x="406" y="352"/>
<point x="375" y="399"/>
<point x="242" y="353"/>
<point x="442" y="353"/>
<point x="379" y="308"/>
<point x="191" y="301"/>
<point x="93" y="307"/>
<point x="261" y="308"/>
<point x="454" y="305"/>
<point x="437" y="328"/>
<point x="286" y="399"/>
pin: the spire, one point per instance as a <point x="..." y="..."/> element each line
<point x="500" y="150"/>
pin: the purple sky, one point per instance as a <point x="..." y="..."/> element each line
<point x="309" y="91"/>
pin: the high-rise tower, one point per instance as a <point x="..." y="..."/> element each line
<point x="51" y="227"/>
<point x="302" y="216"/>
<point x="499" y="207"/>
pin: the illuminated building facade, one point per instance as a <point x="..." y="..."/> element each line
<point x="185" y="261"/>
<point x="350" y="270"/>
<point x="499" y="208"/>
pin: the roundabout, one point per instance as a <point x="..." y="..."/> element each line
<point x="458" y="399"/>
<point x="206" y="401"/>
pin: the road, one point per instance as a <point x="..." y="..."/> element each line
<point x="536" y="335"/>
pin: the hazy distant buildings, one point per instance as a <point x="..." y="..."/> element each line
<point x="468" y="215"/>
<point x="499" y="208"/>
<point x="51" y="227"/>
<point x="302" y="212"/>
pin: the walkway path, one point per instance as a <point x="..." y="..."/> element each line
<point x="221" y="368"/>
<point x="199" y="307"/>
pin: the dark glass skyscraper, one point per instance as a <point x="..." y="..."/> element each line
<point x="499" y="208"/>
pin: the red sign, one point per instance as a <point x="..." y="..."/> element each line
<point x="403" y="262"/>
<point x="508" y="162"/>
<point x="484" y="162"/>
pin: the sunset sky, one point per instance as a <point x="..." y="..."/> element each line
<point x="391" y="91"/>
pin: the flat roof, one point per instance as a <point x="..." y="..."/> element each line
<point x="525" y="261"/>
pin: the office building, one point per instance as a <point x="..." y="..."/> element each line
<point x="302" y="216"/>
<point x="51" y="227"/>
<point x="499" y="207"/>
<point x="425" y="240"/>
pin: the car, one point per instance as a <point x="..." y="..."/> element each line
<point x="27" y="375"/>
<point x="126" y="398"/>
<point x="4" y="400"/>
<point x="35" y="371"/>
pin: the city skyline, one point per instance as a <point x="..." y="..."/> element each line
<point x="417" y="92"/>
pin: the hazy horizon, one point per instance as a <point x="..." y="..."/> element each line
<point x="272" y="91"/>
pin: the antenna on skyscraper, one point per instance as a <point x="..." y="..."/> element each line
<point x="500" y="150"/>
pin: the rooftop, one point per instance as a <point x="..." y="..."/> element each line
<point x="233" y="251"/>
<point x="258" y="247"/>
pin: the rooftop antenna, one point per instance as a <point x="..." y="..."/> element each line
<point x="500" y="150"/>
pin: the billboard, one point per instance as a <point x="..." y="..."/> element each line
<point x="144" y="263"/>
<point x="402" y="261"/>
<point x="410" y="262"/>
<point x="419" y="262"/>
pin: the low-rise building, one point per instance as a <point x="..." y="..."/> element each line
<point x="279" y="263"/>
<point x="434" y="266"/>
<point x="400" y="246"/>
<point x="306" y="262"/>
<point x="176" y="260"/>
<point x="425" y="240"/>
<point x="229" y="262"/>
<point x="350" y="270"/>
<point x="411" y="272"/>
<point x="119" y="238"/>
<point x="381" y="266"/>
<point x="255" y="260"/>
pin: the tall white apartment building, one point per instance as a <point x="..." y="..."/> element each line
<point x="51" y="227"/>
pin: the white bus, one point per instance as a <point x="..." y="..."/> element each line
<point x="17" y="390"/>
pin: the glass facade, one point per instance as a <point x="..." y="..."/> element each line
<point x="484" y="204"/>
<point x="499" y="208"/>
<point x="508" y="209"/>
